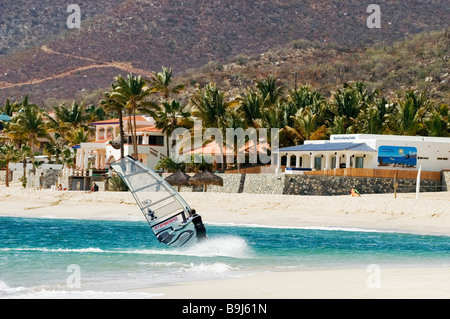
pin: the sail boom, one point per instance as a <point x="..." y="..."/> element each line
<point x="146" y="186"/>
<point x="159" y="201"/>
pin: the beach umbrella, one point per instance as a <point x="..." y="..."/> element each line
<point x="179" y="178"/>
<point x="206" y="178"/>
<point x="5" y="118"/>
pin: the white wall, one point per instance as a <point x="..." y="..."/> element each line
<point x="433" y="149"/>
<point x="19" y="166"/>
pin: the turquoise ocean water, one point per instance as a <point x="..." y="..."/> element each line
<point x="39" y="258"/>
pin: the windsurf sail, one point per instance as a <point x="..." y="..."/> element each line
<point x="170" y="217"/>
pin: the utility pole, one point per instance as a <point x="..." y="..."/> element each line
<point x="295" y="80"/>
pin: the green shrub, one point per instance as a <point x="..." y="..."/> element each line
<point x="116" y="184"/>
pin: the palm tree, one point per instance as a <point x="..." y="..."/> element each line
<point x="251" y="105"/>
<point x="269" y="91"/>
<point x="134" y="91"/>
<point x="118" y="106"/>
<point x="167" y="164"/>
<point x="437" y="122"/>
<point x="281" y="117"/>
<point x="366" y="96"/>
<point x="8" y="154"/>
<point x="161" y="82"/>
<point x="307" y="125"/>
<point x="66" y="119"/>
<point x="347" y="103"/>
<point x="212" y="108"/>
<point x="24" y="152"/>
<point x="67" y="124"/>
<point x="15" y="133"/>
<point x="75" y="137"/>
<point x="75" y="115"/>
<point x="339" y="126"/>
<point x="80" y="135"/>
<point x="9" y="108"/>
<point x="375" y="117"/>
<point x="94" y="113"/>
<point x="371" y="122"/>
<point x="28" y="123"/>
<point x="304" y="96"/>
<point x="172" y="115"/>
<point x="55" y="148"/>
<point x="410" y="114"/>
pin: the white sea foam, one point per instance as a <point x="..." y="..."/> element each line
<point x="330" y="228"/>
<point x="7" y="292"/>
<point x="162" y="264"/>
<point x="58" y="250"/>
<point x="225" y="246"/>
<point x="206" y="268"/>
<point x="5" y="289"/>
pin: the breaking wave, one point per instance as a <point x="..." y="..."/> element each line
<point x="7" y="292"/>
<point x="222" y="246"/>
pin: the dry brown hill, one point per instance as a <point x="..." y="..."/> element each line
<point x="40" y="56"/>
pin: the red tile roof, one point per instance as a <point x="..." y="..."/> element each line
<point x="149" y="129"/>
<point x="139" y="118"/>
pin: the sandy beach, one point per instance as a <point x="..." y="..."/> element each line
<point x="430" y="214"/>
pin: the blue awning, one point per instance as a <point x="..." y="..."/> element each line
<point x="5" y="118"/>
<point x="357" y="147"/>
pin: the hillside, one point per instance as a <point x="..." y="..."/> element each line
<point x="40" y="56"/>
<point x="421" y="62"/>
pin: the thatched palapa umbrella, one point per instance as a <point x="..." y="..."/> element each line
<point x="179" y="178"/>
<point x="206" y="178"/>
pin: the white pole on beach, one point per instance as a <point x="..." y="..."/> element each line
<point x="418" y="182"/>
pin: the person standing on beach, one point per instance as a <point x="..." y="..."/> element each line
<point x="41" y="181"/>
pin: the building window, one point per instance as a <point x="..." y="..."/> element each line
<point x="359" y="162"/>
<point x="318" y="163"/>
<point x="293" y="160"/>
<point x="138" y="139"/>
<point x="333" y="162"/>
<point x="156" y="140"/>
<point x="110" y="133"/>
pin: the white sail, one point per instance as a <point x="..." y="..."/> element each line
<point x="170" y="217"/>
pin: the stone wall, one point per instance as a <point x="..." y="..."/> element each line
<point x="273" y="184"/>
<point x="264" y="184"/>
<point x="341" y="185"/>
<point x="313" y="185"/>
<point x="50" y="178"/>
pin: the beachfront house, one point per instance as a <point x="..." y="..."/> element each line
<point x="3" y="119"/>
<point x="101" y="152"/>
<point x="366" y="151"/>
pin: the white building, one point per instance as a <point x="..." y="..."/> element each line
<point x="151" y="144"/>
<point x="368" y="151"/>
